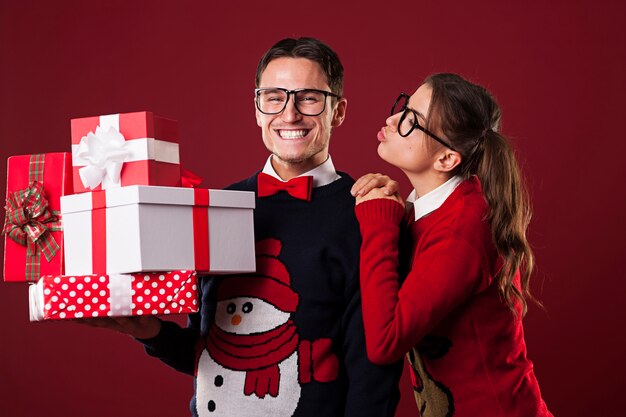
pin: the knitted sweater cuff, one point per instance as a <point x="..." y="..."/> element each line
<point x="379" y="209"/>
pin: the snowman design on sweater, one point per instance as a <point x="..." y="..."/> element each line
<point x="252" y="362"/>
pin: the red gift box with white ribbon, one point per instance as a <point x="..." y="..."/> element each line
<point x="146" y="228"/>
<point x="74" y="297"/>
<point x="124" y="149"/>
<point x="33" y="242"/>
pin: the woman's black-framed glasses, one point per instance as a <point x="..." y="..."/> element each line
<point x="409" y="122"/>
<point x="308" y="101"/>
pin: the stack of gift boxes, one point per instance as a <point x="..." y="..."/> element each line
<point x="114" y="229"/>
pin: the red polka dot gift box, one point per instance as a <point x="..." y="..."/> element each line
<point x="139" y="228"/>
<point x="116" y="150"/>
<point x="75" y="297"/>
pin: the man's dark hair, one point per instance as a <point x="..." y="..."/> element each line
<point x="311" y="49"/>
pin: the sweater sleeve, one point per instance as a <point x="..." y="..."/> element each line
<point x="373" y="389"/>
<point x="443" y="274"/>
<point x="176" y="346"/>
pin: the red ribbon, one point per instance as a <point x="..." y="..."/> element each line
<point x="98" y="232"/>
<point x="189" y="179"/>
<point x="201" y="229"/>
<point x="29" y="223"/>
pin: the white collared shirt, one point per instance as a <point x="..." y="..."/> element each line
<point x="432" y="200"/>
<point x="323" y="174"/>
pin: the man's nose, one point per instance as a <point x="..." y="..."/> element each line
<point x="291" y="114"/>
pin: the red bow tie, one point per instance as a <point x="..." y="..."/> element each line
<point x="298" y="187"/>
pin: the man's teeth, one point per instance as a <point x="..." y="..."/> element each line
<point x="292" y="134"/>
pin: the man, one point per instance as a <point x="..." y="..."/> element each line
<point x="289" y="339"/>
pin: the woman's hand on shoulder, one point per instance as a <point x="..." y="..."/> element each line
<point x="377" y="193"/>
<point x="371" y="181"/>
<point x="372" y="186"/>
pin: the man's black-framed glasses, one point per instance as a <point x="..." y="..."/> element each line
<point x="409" y="121"/>
<point x="308" y="101"/>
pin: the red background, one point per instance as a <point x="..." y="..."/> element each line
<point x="557" y="69"/>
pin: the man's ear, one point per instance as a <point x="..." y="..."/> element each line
<point x="340" y="112"/>
<point x="257" y="114"/>
<point x="447" y="161"/>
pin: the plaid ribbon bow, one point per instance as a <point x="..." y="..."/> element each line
<point x="29" y="222"/>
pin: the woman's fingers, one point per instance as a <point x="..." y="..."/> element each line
<point x="372" y="181"/>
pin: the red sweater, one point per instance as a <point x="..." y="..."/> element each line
<point x="466" y="348"/>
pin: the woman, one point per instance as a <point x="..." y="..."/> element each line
<point x="463" y="249"/>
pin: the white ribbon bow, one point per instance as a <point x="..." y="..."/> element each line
<point x="105" y="153"/>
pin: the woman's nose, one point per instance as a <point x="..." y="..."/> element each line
<point x="392" y="122"/>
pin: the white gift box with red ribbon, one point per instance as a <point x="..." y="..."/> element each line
<point x="73" y="297"/>
<point x="148" y="228"/>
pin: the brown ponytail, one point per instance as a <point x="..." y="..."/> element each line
<point x="469" y="118"/>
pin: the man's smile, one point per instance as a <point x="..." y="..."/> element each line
<point x="292" y="133"/>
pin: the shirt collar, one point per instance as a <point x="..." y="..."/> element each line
<point x="323" y="174"/>
<point x="432" y="200"/>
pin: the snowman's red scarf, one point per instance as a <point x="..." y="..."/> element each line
<point x="258" y="355"/>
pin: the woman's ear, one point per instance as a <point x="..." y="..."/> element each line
<point x="447" y="161"/>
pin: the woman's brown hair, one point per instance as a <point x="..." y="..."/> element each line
<point x="469" y="117"/>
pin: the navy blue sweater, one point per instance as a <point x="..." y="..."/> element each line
<point x="319" y="248"/>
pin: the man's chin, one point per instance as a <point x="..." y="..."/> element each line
<point x="299" y="157"/>
<point x="292" y="160"/>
